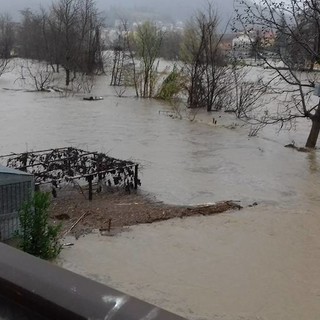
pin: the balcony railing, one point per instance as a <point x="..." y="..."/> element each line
<point x="31" y="288"/>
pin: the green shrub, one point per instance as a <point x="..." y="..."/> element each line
<point x="36" y="235"/>
<point x="172" y="85"/>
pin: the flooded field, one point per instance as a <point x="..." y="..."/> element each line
<point x="259" y="263"/>
<point x="183" y="162"/>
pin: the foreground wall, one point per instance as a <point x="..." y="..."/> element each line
<point x="40" y="290"/>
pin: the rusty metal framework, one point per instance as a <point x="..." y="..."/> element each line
<point x="63" y="165"/>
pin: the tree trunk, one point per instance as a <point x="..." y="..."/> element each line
<point x="67" y="77"/>
<point x="314" y="133"/>
<point x="114" y="69"/>
<point x="315" y="129"/>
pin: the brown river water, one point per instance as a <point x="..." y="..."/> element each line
<point x="258" y="263"/>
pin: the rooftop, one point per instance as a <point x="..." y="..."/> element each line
<point x="7" y="170"/>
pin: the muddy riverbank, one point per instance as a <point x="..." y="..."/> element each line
<point x="109" y="212"/>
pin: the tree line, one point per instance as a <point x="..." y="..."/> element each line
<point x="282" y="36"/>
<point x="67" y="35"/>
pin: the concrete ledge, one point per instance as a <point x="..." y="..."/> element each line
<point x="55" y="293"/>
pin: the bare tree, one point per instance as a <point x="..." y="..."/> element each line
<point x="148" y="39"/>
<point x="290" y="49"/>
<point x="32" y="44"/>
<point x="245" y="94"/>
<point x="36" y="75"/>
<point x="130" y="47"/>
<point x="65" y="13"/>
<point x="204" y="63"/>
<point x="68" y="35"/>
<point x="121" y="57"/>
<point x="135" y="58"/>
<point x="124" y="63"/>
<point x="6" y="42"/>
<point x="89" y="43"/>
<point x="118" y="64"/>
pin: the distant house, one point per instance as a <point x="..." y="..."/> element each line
<point x="242" y="45"/>
<point x="16" y="188"/>
<point x="268" y="39"/>
<point x="253" y="44"/>
<point x="225" y="44"/>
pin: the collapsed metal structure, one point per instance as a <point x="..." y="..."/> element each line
<point x="64" y="165"/>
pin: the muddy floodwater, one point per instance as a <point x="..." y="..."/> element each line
<point x="258" y="263"/>
<point x="183" y="162"/>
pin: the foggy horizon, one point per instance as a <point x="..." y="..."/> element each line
<point x="170" y="10"/>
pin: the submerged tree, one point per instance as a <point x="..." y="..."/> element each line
<point x="77" y="25"/>
<point x="172" y="85"/>
<point x="122" y="57"/>
<point x="135" y="57"/>
<point x="148" y="39"/>
<point x="6" y="42"/>
<point x="290" y="49"/>
<point x="118" y="62"/>
<point x="204" y="63"/>
<point x="68" y="35"/>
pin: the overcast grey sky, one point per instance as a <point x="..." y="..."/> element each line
<point x="176" y="9"/>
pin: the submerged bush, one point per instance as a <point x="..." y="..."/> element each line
<point x="36" y="235"/>
<point x="171" y="86"/>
